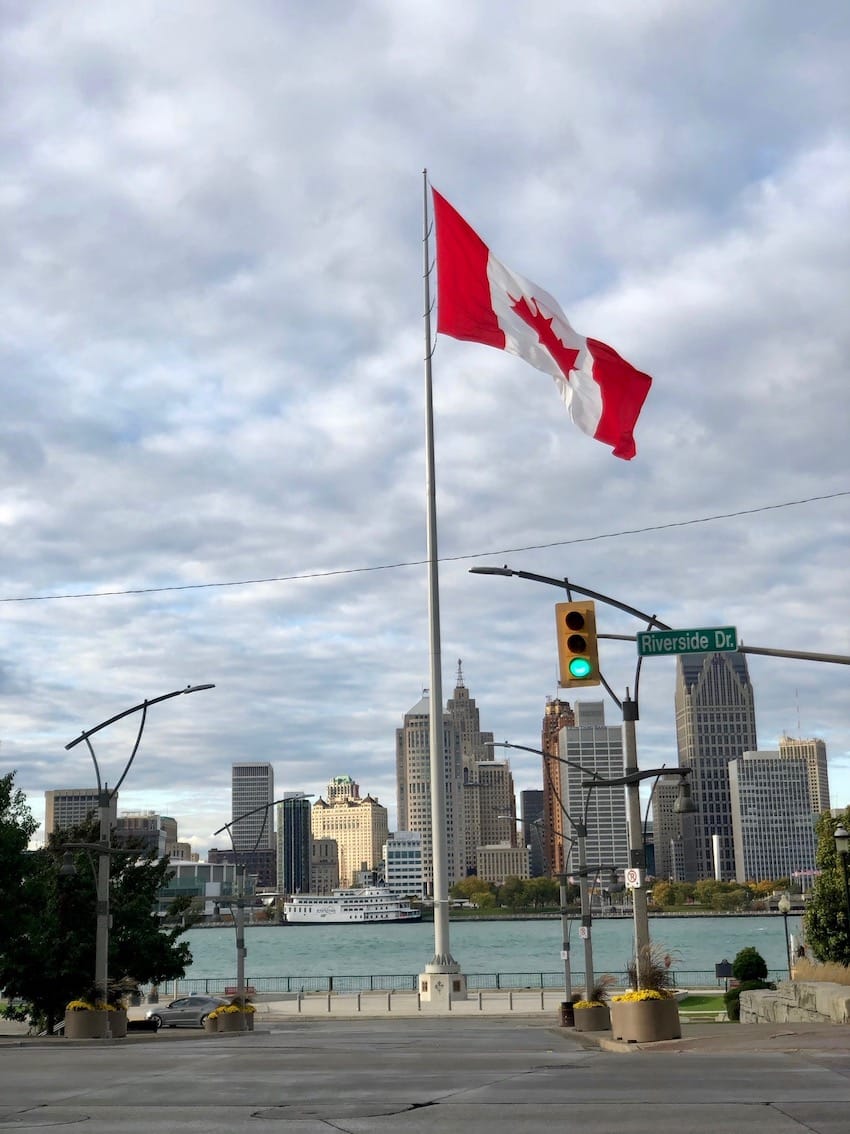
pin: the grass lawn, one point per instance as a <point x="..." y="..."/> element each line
<point x="704" y="1003"/>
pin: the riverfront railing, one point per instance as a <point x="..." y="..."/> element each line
<point x="408" y="982"/>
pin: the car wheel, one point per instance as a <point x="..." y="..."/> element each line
<point x="203" y="1019"/>
<point x="156" y="1021"/>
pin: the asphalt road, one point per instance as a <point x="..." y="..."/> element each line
<point x="412" y="1076"/>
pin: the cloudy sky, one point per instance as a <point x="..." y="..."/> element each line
<point x="212" y="434"/>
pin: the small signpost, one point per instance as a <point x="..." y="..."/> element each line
<point x="663" y="643"/>
<point x="632" y="878"/>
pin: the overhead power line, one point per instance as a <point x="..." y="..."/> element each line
<point x="419" y="562"/>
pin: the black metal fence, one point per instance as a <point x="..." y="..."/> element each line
<point x="407" y="982"/>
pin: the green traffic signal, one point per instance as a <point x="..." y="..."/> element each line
<point x="580" y="667"/>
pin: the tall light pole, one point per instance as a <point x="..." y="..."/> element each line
<point x="629" y="710"/>
<point x="580" y="828"/>
<point x="105" y="797"/>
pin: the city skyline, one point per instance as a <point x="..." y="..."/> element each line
<point x="212" y="462"/>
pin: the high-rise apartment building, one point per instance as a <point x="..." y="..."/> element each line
<point x="360" y="828"/>
<point x="715" y="723"/>
<point x="531" y="809"/>
<point x="813" y="751"/>
<point x="557" y="715"/>
<point x="68" y="807"/>
<point x="294" y="844"/>
<point x="772" y="819"/>
<point x="598" y="748"/>
<point x="252" y="789"/>
<point x="413" y="787"/>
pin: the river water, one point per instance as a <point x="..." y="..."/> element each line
<point x="694" y="943"/>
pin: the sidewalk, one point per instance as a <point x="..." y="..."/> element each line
<point x="698" y="1037"/>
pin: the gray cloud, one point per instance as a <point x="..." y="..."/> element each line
<point x="211" y="369"/>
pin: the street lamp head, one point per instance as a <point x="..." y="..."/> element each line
<point x="684" y="804"/>
<point x="842" y="839"/>
<point x="784" y="904"/>
<point x="491" y="571"/>
<point x="67" y="869"/>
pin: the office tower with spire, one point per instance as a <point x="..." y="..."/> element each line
<point x="556" y="831"/>
<point x="485" y="781"/>
<point x="413" y="788"/>
<point x="715" y="723"/>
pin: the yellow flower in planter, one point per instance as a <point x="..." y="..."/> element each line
<point x="590" y="1003"/>
<point x="229" y="1010"/>
<point x="87" y="1006"/>
<point x="638" y="995"/>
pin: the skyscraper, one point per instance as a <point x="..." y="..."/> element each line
<point x="531" y="809"/>
<point x="413" y="788"/>
<point x="599" y="748"/>
<point x="360" y="827"/>
<point x="557" y="715"/>
<point x="294" y="844"/>
<point x="813" y="751"/>
<point x="715" y="723"/>
<point x="476" y="747"/>
<point x="772" y="820"/>
<point x="252" y="789"/>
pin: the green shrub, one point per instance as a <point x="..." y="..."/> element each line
<point x="731" y="998"/>
<point x="748" y="965"/>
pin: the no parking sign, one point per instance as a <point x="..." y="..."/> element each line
<point x="632" y="878"/>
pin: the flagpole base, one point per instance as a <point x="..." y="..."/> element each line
<point x="441" y="983"/>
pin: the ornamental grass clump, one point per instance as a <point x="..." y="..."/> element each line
<point x="656" y="981"/>
<point x="597" y="994"/>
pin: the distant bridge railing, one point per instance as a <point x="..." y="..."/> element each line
<point x="409" y="982"/>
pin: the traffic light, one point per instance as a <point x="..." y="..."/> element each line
<point x="578" y="653"/>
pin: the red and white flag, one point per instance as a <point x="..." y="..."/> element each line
<point x="482" y="301"/>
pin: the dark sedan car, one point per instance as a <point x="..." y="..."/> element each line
<point x="187" y="1011"/>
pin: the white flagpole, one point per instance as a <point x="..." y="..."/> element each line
<point x="443" y="961"/>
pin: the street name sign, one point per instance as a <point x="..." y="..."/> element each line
<point x="713" y="640"/>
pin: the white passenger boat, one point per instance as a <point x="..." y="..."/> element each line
<point x="370" y="904"/>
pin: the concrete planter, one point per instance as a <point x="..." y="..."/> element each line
<point x="645" y="1021"/>
<point x="211" y="1024"/>
<point x="233" y="1022"/>
<point x="595" y="1019"/>
<point x="85" y="1025"/>
<point x="118" y="1023"/>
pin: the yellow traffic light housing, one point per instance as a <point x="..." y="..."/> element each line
<point x="578" y="652"/>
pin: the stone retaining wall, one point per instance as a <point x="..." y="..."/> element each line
<point x="797" y="1001"/>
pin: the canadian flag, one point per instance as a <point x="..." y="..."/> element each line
<point x="481" y="300"/>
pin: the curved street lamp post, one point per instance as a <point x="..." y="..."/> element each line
<point x="105" y="796"/>
<point x="239" y="868"/>
<point x="629" y="709"/>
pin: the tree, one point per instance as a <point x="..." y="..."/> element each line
<point x="826" y="928"/>
<point x="47" y="954"/>
<point x="17" y="826"/>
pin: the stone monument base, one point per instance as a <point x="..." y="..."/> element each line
<point x="440" y="988"/>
